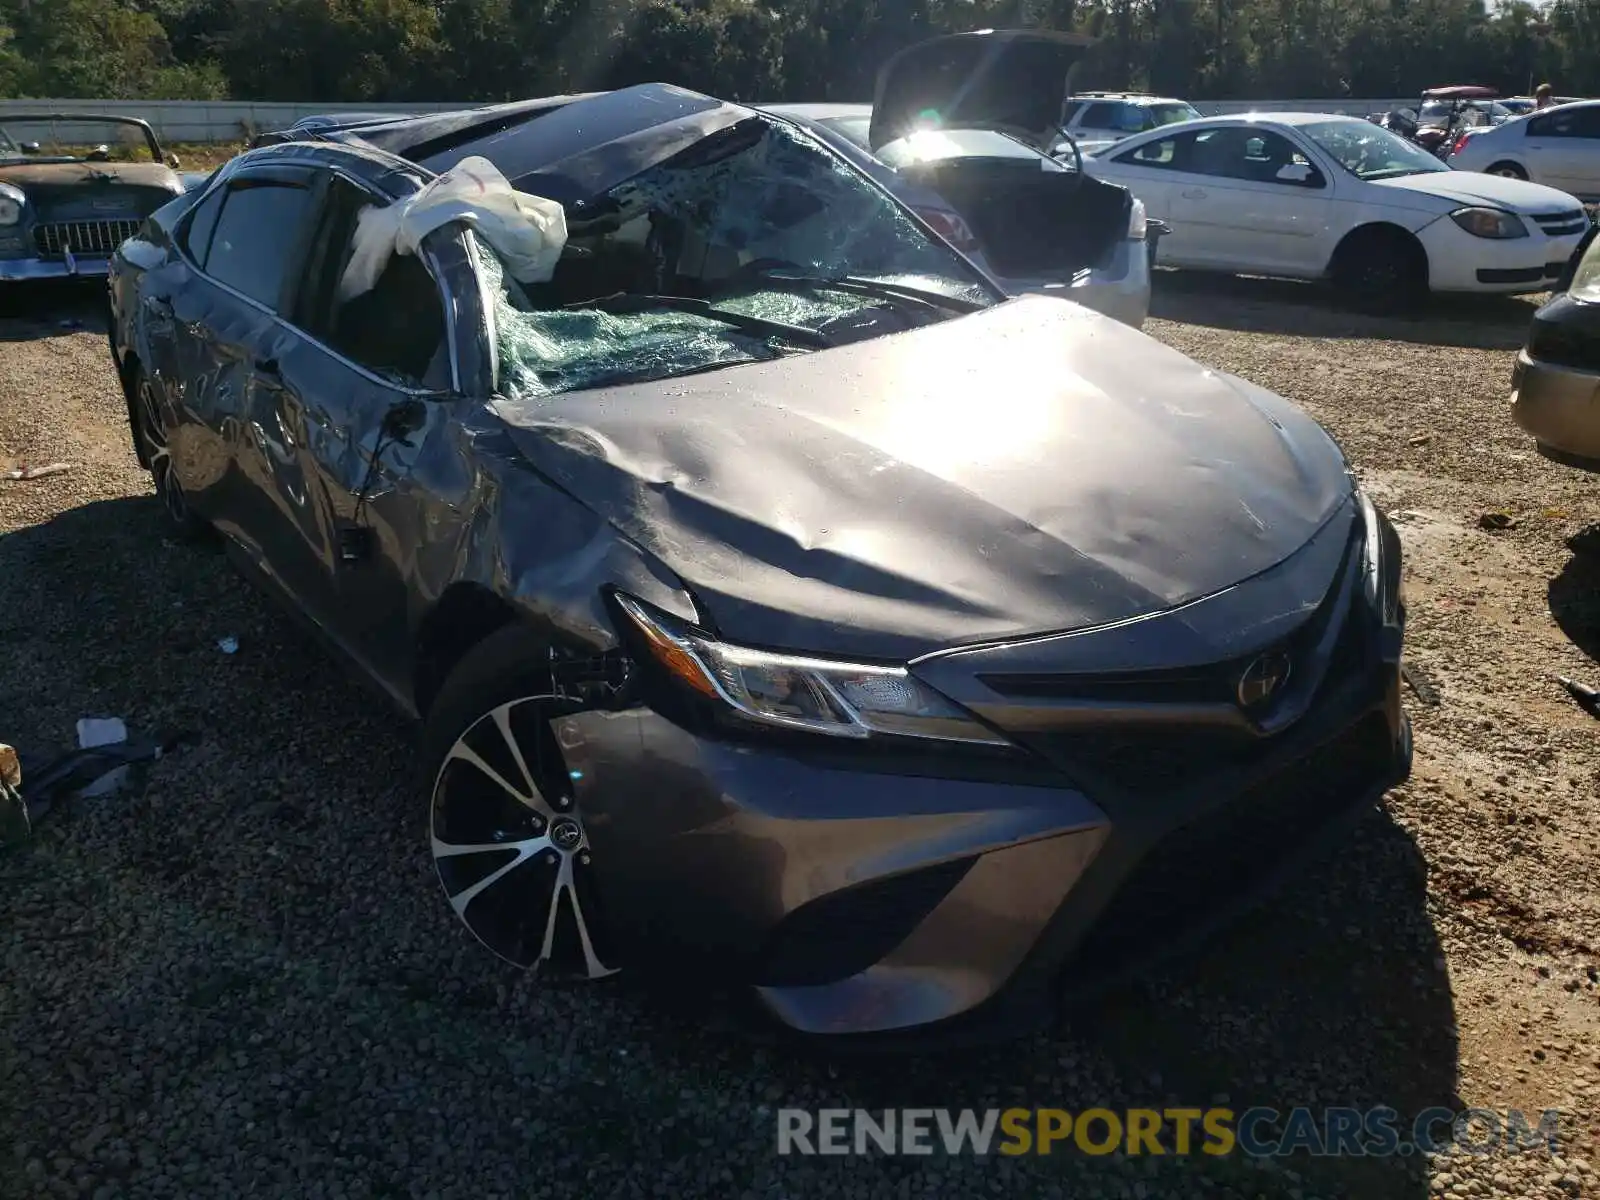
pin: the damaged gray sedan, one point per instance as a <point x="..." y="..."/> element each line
<point x="781" y="604"/>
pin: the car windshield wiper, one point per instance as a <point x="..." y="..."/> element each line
<point x="861" y="286"/>
<point x="635" y="302"/>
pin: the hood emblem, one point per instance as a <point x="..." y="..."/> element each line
<point x="113" y="204"/>
<point x="1263" y="678"/>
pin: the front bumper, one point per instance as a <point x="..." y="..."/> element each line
<point x="1118" y="287"/>
<point x="866" y="896"/>
<point x="1460" y="262"/>
<point x="19" y="270"/>
<point x="1560" y="406"/>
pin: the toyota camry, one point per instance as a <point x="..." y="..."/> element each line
<point x="779" y="602"/>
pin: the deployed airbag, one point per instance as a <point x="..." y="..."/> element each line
<point x="527" y="232"/>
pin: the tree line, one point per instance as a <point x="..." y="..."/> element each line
<point x="345" y="52"/>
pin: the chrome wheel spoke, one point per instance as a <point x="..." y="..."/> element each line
<point x="525" y="849"/>
<point x="511" y="854"/>
<point x="564" y="886"/>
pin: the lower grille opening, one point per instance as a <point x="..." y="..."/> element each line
<point x="844" y="933"/>
<point x="1198" y="868"/>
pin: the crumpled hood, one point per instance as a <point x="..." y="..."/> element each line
<point x="1441" y="190"/>
<point x="1035" y="467"/>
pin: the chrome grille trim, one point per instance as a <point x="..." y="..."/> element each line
<point x="54" y="238"/>
<point x="1561" y="224"/>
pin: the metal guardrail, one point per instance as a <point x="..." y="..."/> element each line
<point x="236" y="120"/>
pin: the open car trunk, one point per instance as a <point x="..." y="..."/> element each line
<point x="1030" y="223"/>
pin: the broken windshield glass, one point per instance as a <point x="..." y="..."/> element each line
<point x="708" y="224"/>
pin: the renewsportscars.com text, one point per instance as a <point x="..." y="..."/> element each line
<point x="1254" y="1132"/>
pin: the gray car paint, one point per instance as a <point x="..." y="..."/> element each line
<point x="1029" y="469"/>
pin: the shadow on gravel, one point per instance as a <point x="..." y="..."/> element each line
<point x="29" y="311"/>
<point x="253" y="952"/>
<point x="1255" y="305"/>
<point x="1575" y="595"/>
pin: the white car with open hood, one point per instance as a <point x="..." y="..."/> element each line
<point x="1311" y="195"/>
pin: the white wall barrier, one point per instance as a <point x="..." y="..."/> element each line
<point x="235" y="120"/>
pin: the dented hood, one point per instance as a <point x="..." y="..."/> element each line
<point x="1009" y="79"/>
<point x="1031" y="468"/>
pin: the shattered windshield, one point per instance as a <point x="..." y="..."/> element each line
<point x="73" y="139"/>
<point x="751" y="244"/>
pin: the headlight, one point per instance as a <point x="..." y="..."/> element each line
<point x="1383" y="577"/>
<point x="1489" y="223"/>
<point x="1136" y="221"/>
<point x="851" y="700"/>
<point x="12" y="202"/>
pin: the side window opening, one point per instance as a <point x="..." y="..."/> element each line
<point x="255" y="237"/>
<point x="202" y="223"/>
<point x="397" y="328"/>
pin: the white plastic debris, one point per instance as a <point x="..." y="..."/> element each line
<point x="103" y="731"/>
<point x="228" y="645"/>
<point x="527" y="232"/>
<point x="24" y="471"/>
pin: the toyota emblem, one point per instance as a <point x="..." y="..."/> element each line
<point x="1262" y="679"/>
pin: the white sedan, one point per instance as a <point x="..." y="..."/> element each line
<point x="1559" y="146"/>
<point x="1311" y="196"/>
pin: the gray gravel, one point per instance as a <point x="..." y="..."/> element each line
<point x="238" y="980"/>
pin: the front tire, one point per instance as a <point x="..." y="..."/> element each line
<point x="1381" y="271"/>
<point x="151" y="431"/>
<point x="504" y="829"/>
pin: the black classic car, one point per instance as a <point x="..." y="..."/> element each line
<point x="73" y="187"/>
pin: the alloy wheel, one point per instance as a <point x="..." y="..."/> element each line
<point x="510" y="847"/>
<point x="153" y="432"/>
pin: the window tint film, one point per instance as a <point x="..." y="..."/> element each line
<point x="255" y="237"/>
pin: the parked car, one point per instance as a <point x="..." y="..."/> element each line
<point x="1312" y="196"/>
<point x="72" y="187"/>
<point x="1555" y="386"/>
<point x="780" y="602"/>
<point x="1096" y="119"/>
<point x="1026" y="220"/>
<point x="1559" y="147"/>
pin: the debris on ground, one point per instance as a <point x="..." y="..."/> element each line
<point x="1588" y="698"/>
<point x="22" y="471"/>
<point x="1425" y="691"/>
<point x="99" y="766"/>
<point x="1422" y="439"/>
<point x="1496" y="521"/>
<point x="94" y="732"/>
<point x="13" y="812"/>
<point x="228" y="645"/>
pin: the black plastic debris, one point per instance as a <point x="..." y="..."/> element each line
<point x="28" y="792"/>
<point x="1588" y="698"/>
<point x="1419" y="684"/>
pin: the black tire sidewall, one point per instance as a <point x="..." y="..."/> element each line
<point x="1407" y="286"/>
<point x="191" y="527"/>
<point x="1508" y="170"/>
<point x="509" y="664"/>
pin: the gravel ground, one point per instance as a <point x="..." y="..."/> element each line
<point x="237" y="979"/>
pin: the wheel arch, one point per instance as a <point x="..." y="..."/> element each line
<point x="128" y="366"/>
<point x="1371" y="231"/>
<point x="464" y="615"/>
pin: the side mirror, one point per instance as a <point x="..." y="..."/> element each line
<point x="30" y="147"/>
<point x="173" y="160"/>
<point x="1295" y="173"/>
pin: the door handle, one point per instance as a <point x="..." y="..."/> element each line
<point x="1193" y="193"/>
<point x="158" y="306"/>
